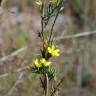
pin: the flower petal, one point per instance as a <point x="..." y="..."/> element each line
<point x="47" y="64"/>
<point x="39" y="2"/>
<point x="37" y="63"/>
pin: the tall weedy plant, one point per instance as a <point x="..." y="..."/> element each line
<point x="42" y="63"/>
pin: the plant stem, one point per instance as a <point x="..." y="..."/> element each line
<point x="46" y="85"/>
<point x="42" y="21"/>
<point x="56" y="88"/>
<point x="53" y="27"/>
<point x="58" y="7"/>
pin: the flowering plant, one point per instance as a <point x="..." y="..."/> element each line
<point x="42" y="63"/>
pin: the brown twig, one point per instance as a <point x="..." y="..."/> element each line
<point x="46" y="84"/>
<point x="56" y="88"/>
<point x="58" y="8"/>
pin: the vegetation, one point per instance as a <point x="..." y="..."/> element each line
<point x="41" y="54"/>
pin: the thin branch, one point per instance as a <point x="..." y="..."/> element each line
<point x="53" y="27"/>
<point x="16" y="71"/>
<point x="82" y="34"/>
<point x="43" y="13"/>
<point x="46" y="85"/>
<point x="56" y="88"/>
<point x="14" y="86"/>
<point x="42" y="22"/>
<point x="13" y="54"/>
<point x="42" y="82"/>
<point x="62" y="79"/>
<point x="51" y="33"/>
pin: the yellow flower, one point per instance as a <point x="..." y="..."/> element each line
<point x="53" y="1"/>
<point x="41" y="63"/>
<point x="44" y="62"/>
<point x="39" y="2"/>
<point x="37" y="63"/>
<point x="53" y="51"/>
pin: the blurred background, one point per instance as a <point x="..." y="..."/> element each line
<point x="75" y="33"/>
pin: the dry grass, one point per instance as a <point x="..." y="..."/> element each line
<point x="19" y="44"/>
